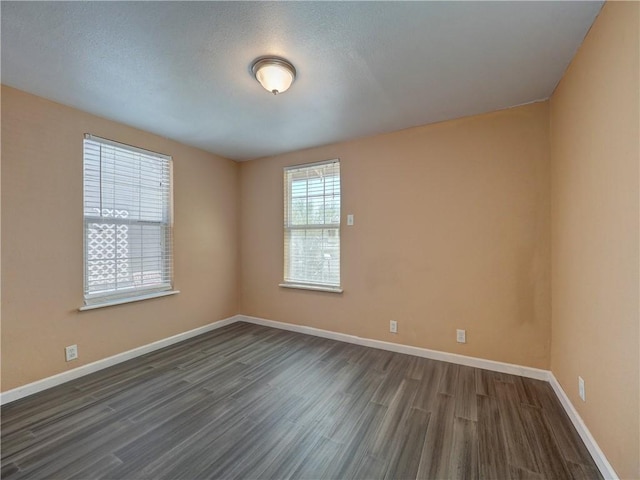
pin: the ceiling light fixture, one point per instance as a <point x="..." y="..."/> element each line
<point x="275" y="74"/>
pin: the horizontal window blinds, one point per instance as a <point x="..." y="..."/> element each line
<point x="127" y="221"/>
<point x="312" y="224"/>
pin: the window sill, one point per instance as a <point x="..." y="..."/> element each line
<point x="120" y="301"/>
<point x="317" y="288"/>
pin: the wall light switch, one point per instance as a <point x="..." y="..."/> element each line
<point x="350" y="219"/>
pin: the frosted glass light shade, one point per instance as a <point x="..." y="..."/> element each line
<point x="274" y="74"/>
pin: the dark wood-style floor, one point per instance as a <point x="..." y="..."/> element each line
<point x="248" y="401"/>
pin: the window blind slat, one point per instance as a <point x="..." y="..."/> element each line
<point x="128" y="226"/>
<point x="312" y="224"/>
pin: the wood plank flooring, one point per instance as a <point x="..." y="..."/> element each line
<point x="247" y="401"/>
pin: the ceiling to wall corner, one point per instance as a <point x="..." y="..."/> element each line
<point x="182" y="69"/>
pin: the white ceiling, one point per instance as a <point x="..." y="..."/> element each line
<point x="181" y="69"/>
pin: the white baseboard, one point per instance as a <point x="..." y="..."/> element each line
<point x="598" y="456"/>
<point x="502" y="367"/>
<point x="60" y="378"/>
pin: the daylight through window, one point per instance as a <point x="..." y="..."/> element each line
<point x="127" y="221"/>
<point x="312" y="224"/>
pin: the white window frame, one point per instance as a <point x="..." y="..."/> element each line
<point x="290" y="226"/>
<point x="119" y="295"/>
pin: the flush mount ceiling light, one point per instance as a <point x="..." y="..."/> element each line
<point x="275" y="74"/>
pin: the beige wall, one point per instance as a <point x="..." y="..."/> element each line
<point x="595" y="135"/>
<point x="42" y="243"/>
<point x="451" y="231"/>
<point x="457" y="225"/>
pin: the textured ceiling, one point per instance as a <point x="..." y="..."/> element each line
<point x="181" y="69"/>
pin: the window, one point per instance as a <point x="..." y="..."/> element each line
<point x="312" y="226"/>
<point x="127" y="222"/>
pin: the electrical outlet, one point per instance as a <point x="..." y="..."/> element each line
<point x="350" y="219"/>
<point x="71" y="352"/>
<point x="393" y="326"/>
<point x="461" y="336"/>
<point x="581" y="389"/>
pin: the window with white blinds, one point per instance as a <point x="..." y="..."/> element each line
<point x="127" y="221"/>
<point x="312" y="225"/>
